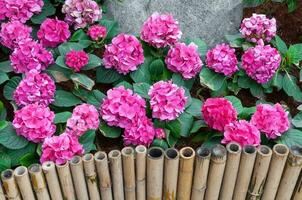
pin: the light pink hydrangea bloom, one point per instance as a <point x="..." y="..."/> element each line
<point x="160" y="133"/>
<point x="242" y="132"/>
<point x="35" y="88"/>
<point x="122" y="107"/>
<point x="124" y="54"/>
<point x="76" y="59"/>
<point x="271" y="120"/>
<point x="261" y="62"/>
<point x="81" y="13"/>
<point x="34" y="122"/>
<point x="84" y="117"/>
<point x="30" y="55"/>
<point x="222" y="59"/>
<point x="184" y="59"/>
<point x="258" y="27"/>
<point x="218" y="112"/>
<point x="53" y="32"/>
<point x="61" y="149"/>
<point x="13" y="32"/>
<point x="160" y="30"/>
<point x="167" y="100"/>
<point x="97" y="32"/>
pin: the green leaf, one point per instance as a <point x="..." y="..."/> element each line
<point x="280" y="44"/>
<point x="47" y="10"/>
<point x="5" y="161"/>
<point x="257" y="90"/>
<point x="5" y="66"/>
<point x="3" y="77"/>
<point x="62" y="117"/>
<point x="294" y="54"/>
<point x="142" y="89"/>
<point x="277" y="81"/>
<point x="110" y="131"/>
<point x="202" y="46"/>
<point x="3" y="124"/>
<point x="125" y="84"/>
<point x="104" y="75"/>
<point x="235" y="40"/>
<point x="160" y="143"/>
<point x="212" y="80"/>
<point x="10" y="87"/>
<point x="94" y="61"/>
<point x="10" y="139"/>
<point x="65" y="99"/>
<point x="181" y="126"/>
<point x="171" y="140"/>
<point x="60" y="61"/>
<point x="111" y="26"/>
<point x="195" y="108"/>
<point x="78" y="36"/>
<point x="178" y="80"/>
<point x="292" y="5"/>
<point x="236" y="103"/>
<point x="87" y="140"/>
<point x="247" y="112"/>
<point x="68" y="46"/>
<point x="197" y="125"/>
<point x="93" y="97"/>
<point x="82" y="80"/>
<point x="17" y="154"/>
<point x="214" y="140"/>
<point x="28" y="159"/>
<point x="156" y="68"/>
<point x="299" y="107"/>
<point x="291" y="137"/>
<point x="297" y="120"/>
<point x="3" y="112"/>
<point x="142" y="74"/>
<point x="291" y="88"/>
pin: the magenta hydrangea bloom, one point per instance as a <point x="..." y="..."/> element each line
<point x="271" y="120"/>
<point x="218" y="112"/>
<point x="160" y="133"/>
<point x="261" y="62"/>
<point x="84" y="117"/>
<point x="167" y="100"/>
<point x="61" y="149"/>
<point x="35" y="88"/>
<point x="160" y="30"/>
<point x="258" y="27"/>
<point x="81" y="13"/>
<point x="76" y="59"/>
<point x="184" y="59"/>
<point x="53" y="32"/>
<point x="13" y="32"/>
<point x="242" y="132"/>
<point x="97" y="32"/>
<point x="3" y="9"/>
<point x="34" y="122"/>
<point x="222" y="59"/>
<point x="124" y="54"/>
<point x="122" y="107"/>
<point x="30" y="55"/>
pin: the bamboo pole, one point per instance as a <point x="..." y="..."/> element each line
<point x="231" y="170"/>
<point x="171" y="174"/>
<point x="66" y="181"/>
<point x="102" y="168"/>
<point x="52" y="180"/>
<point x="290" y="174"/>
<point x="2" y="196"/>
<point x="298" y="190"/>
<point x="38" y="182"/>
<point x="78" y="178"/>
<point x="155" y="166"/>
<point x="245" y="171"/>
<point x="23" y="182"/>
<point x="202" y="163"/>
<point x="129" y="172"/>
<point x="217" y="166"/>
<point x="116" y="169"/>
<point x="91" y="177"/>
<point x="140" y="166"/>
<point x="9" y="185"/>
<point x="263" y="158"/>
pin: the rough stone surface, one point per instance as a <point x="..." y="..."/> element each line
<point x="209" y="20"/>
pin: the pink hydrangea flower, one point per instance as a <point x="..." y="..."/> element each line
<point x="53" y="32"/>
<point x="222" y="59"/>
<point x="242" y="132"/>
<point x="160" y="30"/>
<point x="3" y="9"/>
<point x="81" y="13"/>
<point x="13" y="32"/>
<point x="184" y="59"/>
<point x="167" y="100"/>
<point x="124" y="54"/>
<point x="84" y="117"/>
<point x="34" y="122"/>
<point x="258" y="27"/>
<point x="271" y="120"/>
<point x="97" y="32"/>
<point x="76" y="59"/>
<point x="160" y="133"/>
<point x="218" y="112"/>
<point x="30" y="55"/>
<point x="261" y="62"/>
<point x="60" y="149"/>
<point x="35" y="88"/>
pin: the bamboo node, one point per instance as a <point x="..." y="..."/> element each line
<point x="254" y="194"/>
<point x="200" y="189"/>
<point x="91" y="178"/>
<point x="129" y="189"/>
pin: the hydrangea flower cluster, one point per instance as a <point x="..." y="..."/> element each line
<point x="124" y="54"/>
<point x="81" y="13"/>
<point x="258" y="27"/>
<point x="222" y="59"/>
<point x="97" y="32"/>
<point x="13" y="32"/>
<point x="35" y="88"/>
<point x="160" y="30"/>
<point x="184" y="59"/>
<point x="218" y="112"/>
<point x="261" y="62"/>
<point x="76" y="59"/>
<point x="167" y="100"/>
<point x="270" y="120"/>
<point x="34" y="122"/>
<point x="160" y="133"/>
<point x="53" y="32"/>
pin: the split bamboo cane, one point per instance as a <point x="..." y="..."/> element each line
<point x="2" y="196"/>
<point x="298" y="190"/>
<point x="217" y="166"/>
<point x="66" y="181"/>
<point x="231" y="170"/>
<point x="116" y="174"/>
<point x="91" y="177"/>
<point x="140" y="166"/>
<point x="23" y="182"/>
<point x="202" y="163"/>
<point x="52" y="180"/>
<point x="171" y="174"/>
<point x="38" y="182"/>
<point x="129" y="173"/>
<point x="290" y="174"/>
<point x="9" y="185"/>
